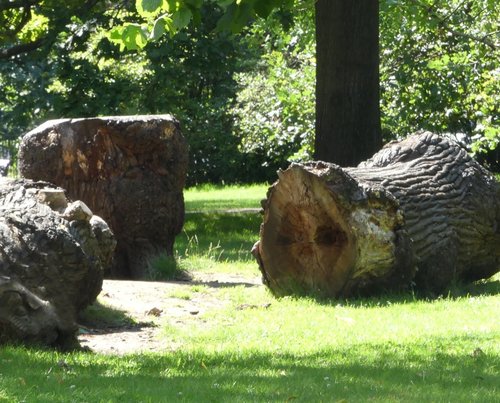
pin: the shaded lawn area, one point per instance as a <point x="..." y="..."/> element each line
<point x="386" y="349"/>
<point x="437" y="370"/>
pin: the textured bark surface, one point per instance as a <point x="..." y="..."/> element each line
<point x="420" y="210"/>
<point x="53" y="255"/>
<point x="347" y="81"/>
<point x="128" y="170"/>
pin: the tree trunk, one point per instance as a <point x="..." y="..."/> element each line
<point x="53" y="255"/>
<point x="421" y="210"/>
<point x="347" y="81"/>
<point x="128" y="170"/>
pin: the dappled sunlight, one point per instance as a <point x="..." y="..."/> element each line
<point x="429" y="371"/>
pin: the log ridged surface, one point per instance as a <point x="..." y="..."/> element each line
<point x="53" y="254"/>
<point x="451" y="207"/>
<point x="130" y="170"/>
<point x="419" y="211"/>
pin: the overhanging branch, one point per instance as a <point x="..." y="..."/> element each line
<point x="22" y="48"/>
<point x="12" y="5"/>
<point x="58" y="25"/>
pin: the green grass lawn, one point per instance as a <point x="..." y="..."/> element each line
<point x="212" y="198"/>
<point x="256" y="348"/>
<point x="213" y="239"/>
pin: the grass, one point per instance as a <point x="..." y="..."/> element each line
<point x="389" y="349"/>
<point x="209" y="198"/>
<point x="256" y="348"/>
<point x="213" y="239"/>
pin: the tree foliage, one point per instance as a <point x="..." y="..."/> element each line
<point x="274" y="113"/>
<point x="169" y="16"/>
<point x="440" y="68"/>
<point x="246" y="101"/>
<point x="189" y="75"/>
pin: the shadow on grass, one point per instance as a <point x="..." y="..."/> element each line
<point x="476" y="289"/>
<point x="425" y="371"/>
<point x="99" y="318"/>
<point x="482" y="288"/>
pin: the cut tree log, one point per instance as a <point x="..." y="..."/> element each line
<point x="53" y="254"/>
<point x="130" y="170"/>
<point x="421" y="211"/>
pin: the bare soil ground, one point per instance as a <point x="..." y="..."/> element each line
<point x="142" y="306"/>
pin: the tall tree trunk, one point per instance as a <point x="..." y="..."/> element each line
<point x="347" y="81"/>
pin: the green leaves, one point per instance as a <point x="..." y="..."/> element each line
<point x="235" y="17"/>
<point x="274" y="112"/>
<point x="129" y="36"/>
<point x="238" y="13"/>
<point x="160" y="17"/>
<point x="440" y="69"/>
<point x="194" y="3"/>
<point x="181" y="18"/>
<point x="170" y="16"/>
<point x="264" y="7"/>
<point x="161" y="25"/>
<point x="148" y="8"/>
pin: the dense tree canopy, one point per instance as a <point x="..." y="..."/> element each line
<point x="248" y="97"/>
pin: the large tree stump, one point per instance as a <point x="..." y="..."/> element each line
<point x="420" y="210"/>
<point x="128" y="170"/>
<point x="53" y="255"/>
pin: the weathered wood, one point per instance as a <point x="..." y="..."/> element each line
<point x="130" y="170"/>
<point x="420" y="210"/>
<point x="53" y="254"/>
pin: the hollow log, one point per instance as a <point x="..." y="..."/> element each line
<point x="53" y="254"/>
<point x="130" y="170"/>
<point x="420" y="212"/>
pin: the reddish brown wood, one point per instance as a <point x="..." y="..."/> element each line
<point x="130" y="170"/>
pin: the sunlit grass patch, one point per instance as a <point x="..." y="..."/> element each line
<point x="257" y="348"/>
<point x="214" y="240"/>
<point x="213" y="198"/>
<point x="218" y="242"/>
<point x="255" y="320"/>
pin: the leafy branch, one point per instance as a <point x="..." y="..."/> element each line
<point x="170" y="16"/>
<point x="443" y="22"/>
<point x="56" y="25"/>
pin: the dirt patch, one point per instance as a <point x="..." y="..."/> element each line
<point x="140" y="307"/>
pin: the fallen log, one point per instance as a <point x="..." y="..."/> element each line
<point x="53" y="254"/>
<point x="129" y="170"/>
<point x="421" y="211"/>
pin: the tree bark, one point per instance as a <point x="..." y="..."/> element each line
<point x="347" y="81"/>
<point x="420" y="211"/>
<point x="129" y="170"/>
<point x="53" y="255"/>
